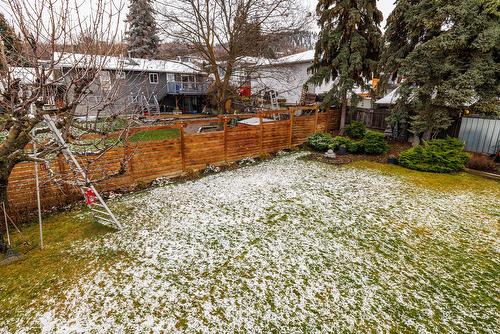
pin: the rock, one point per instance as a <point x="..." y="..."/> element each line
<point x="11" y="256"/>
<point x="330" y="154"/>
<point x="342" y="150"/>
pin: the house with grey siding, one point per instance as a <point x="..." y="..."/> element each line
<point x="127" y="85"/>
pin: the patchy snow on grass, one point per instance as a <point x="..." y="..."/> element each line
<point x="288" y="246"/>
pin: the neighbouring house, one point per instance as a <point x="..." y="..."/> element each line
<point x="26" y="78"/>
<point x="480" y="133"/>
<point x="125" y="85"/>
<point x="288" y="77"/>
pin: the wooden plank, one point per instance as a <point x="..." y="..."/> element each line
<point x="183" y="149"/>
<point x="261" y="137"/>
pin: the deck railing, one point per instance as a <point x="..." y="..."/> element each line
<point x="191" y="88"/>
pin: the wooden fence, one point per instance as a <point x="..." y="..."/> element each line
<point x="143" y="162"/>
<point x="373" y="119"/>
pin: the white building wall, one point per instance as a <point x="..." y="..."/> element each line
<point x="287" y="80"/>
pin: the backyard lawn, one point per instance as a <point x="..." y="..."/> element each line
<point x="157" y="134"/>
<point x="287" y="245"/>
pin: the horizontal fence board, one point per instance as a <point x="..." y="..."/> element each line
<point x="147" y="161"/>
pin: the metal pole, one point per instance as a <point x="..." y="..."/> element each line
<point x="38" y="195"/>
<point x="6" y="223"/>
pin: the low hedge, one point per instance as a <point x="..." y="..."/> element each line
<point x="351" y="145"/>
<point x="354" y="147"/>
<point x="356" y="130"/>
<point x="374" y="143"/>
<point x="438" y="155"/>
<point x="339" y="141"/>
<point x="320" y="141"/>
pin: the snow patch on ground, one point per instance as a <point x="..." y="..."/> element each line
<point x="289" y="246"/>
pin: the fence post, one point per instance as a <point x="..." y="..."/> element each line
<point x="290" y="135"/>
<point x="261" y="144"/>
<point x="331" y="125"/>
<point x="183" y="148"/>
<point x="129" y="157"/>
<point x="225" y="119"/>
<point x="316" y="120"/>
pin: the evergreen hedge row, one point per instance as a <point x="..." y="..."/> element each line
<point x="438" y="155"/>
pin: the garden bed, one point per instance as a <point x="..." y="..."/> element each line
<point x="395" y="149"/>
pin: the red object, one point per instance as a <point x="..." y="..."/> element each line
<point x="90" y="197"/>
<point x="43" y="166"/>
<point x="246" y="91"/>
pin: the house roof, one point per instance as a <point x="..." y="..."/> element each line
<point x="303" y="57"/>
<point x="298" y="58"/>
<point x="393" y="96"/>
<point x="66" y="60"/>
<point x="27" y="75"/>
<point x="390" y="98"/>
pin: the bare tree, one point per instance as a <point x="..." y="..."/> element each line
<point x="36" y="85"/>
<point x="229" y="35"/>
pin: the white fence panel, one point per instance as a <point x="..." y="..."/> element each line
<point x="481" y="135"/>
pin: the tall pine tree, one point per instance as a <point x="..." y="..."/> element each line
<point x="142" y="36"/>
<point x="447" y="53"/>
<point x="11" y="46"/>
<point x="348" y="47"/>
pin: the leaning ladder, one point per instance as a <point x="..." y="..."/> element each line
<point x="99" y="209"/>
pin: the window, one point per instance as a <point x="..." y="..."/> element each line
<point x="188" y="78"/>
<point x="105" y="79"/>
<point x="184" y="59"/>
<point x="104" y="76"/>
<point x="170" y="77"/>
<point x="120" y="75"/>
<point x="153" y="78"/>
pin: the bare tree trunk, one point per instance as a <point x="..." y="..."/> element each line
<point x="6" y="168"/>
<point x="343" y="115"/>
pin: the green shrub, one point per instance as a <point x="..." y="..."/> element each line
<point x="338" y="141"/>
<point x="374" y="143"/>
<point x="439" y="155"/>
<point x="356" y="130"/>
<point x="320" y="141"/>
<point x="355" y="146"/>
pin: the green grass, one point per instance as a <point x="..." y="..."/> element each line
<point x="443" y="182"/>
<point x="45" y="272"/>
<point x="143" y="136"/>
<point x="152" y="135"/>
<point x="463" y="270"/>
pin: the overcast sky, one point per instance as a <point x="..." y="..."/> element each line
<point x="386" y="6"/>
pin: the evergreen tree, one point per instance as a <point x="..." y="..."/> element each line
<point x="447" y="52"/>
<point x="142" y="37"/>
<point x="348" y="47"/>
<point x="11" y="45"/>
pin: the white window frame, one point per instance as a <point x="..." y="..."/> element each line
<point x="105" y="80"/>
<point x="120" y="75"/>
<point x="152" y="75"/>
